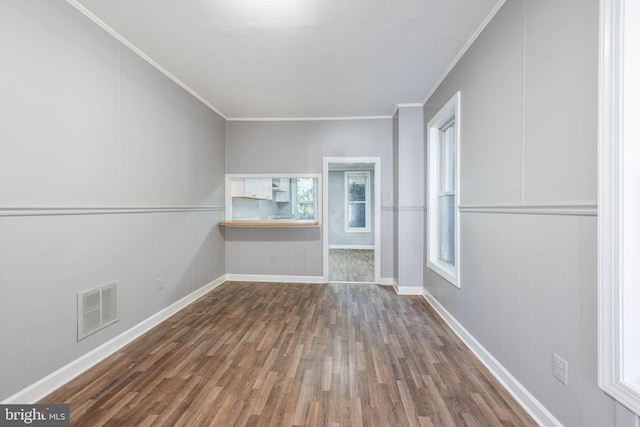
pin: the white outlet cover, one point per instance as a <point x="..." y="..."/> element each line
<point x="560" y="369"/>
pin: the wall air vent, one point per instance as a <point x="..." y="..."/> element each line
<point x="97" y="309"/>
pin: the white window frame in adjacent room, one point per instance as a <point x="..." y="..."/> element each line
<point x="448" y="116"/>
<point x="366" y="202"/>
<point x="618" y="223"/>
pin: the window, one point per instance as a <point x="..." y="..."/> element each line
<point x="443" y="136"/>
<point x="305" y="198"/>
<point x="357" y="202"/>
<point x="619" y="203"/>
<point x="447" y="193"/>
<point x="272" y="197"/>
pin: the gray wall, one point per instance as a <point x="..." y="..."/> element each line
<point x="336" y="220"/>
<point x="409" y="176"/>
<point x="85" y="124"/>
<point x="529" y="136"/>
<point x="299" y="147"/>
<point x="396" y="190"/>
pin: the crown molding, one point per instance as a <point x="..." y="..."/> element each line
<point x="411" y="104"/>
<point x="142" y="55"/>
<point x="304" y="119"/>
<point x="464" y="49"/>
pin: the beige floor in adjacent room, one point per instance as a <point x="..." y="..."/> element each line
<point x="351" y="265"/>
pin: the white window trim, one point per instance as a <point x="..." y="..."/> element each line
<point x="610" y="187"/>
<point x="367" y="203"/>
<point x="451" y="111"/>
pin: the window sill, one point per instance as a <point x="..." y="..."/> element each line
<point x="444" y="270"/>
<point x="627" y="393"/>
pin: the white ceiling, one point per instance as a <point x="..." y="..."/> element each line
<point x="299" y="58"/>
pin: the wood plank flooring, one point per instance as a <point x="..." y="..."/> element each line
<point x="351" y="265"/>
<point x="258" y="354"/>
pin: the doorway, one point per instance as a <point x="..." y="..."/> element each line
<point x="351" y="217"/>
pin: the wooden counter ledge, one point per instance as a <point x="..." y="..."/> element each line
<point x="299" y="223"/>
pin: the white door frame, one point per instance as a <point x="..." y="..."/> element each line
<point x="376" y="211"/>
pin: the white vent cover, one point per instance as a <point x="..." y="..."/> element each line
<point x="97" y="308"/>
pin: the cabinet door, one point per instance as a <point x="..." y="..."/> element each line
<point x="258" y="188"/>
<point x="237" y="187"/>
<point x="282" y="193"/>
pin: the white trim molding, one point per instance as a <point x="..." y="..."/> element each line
<point x="410" y="208"/>
<point x="303" y="280"/>
<point x="387" y="281"/>
<point x="408" y="290"/>
<point x="616" y="220"/>
<point x="53" y="381"/>
<point x="101" y="210"/>
<point x="536" y="410"/>
<point x="568" y="209"/>
<point x="354" y="247"/>
<point x="305" y="119"/>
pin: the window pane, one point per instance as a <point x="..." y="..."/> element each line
<point x="306" y="211"/>
<point x="357" y="188"/>
<point x="305" y="197"/>
<point x="447" y="228"/>
<point x="357" y="215"/>
<point x="305" y="190"/>
<point x="447" y="159"/>
<point x="441" y="163"/>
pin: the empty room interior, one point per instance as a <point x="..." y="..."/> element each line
<point x="320" y="212"/>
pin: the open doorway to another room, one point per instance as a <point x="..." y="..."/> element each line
<point x="351" y="220"/>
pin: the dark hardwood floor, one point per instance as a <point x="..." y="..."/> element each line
<point x="263" y="354"/>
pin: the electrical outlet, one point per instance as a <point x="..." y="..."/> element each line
<point x="560" y="369"/>
<point x="273" y="258"/>
<point x="160" y="283"/>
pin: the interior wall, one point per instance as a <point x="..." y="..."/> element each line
<point x="108" y="172"/>
<point x="409" y="174"/>
<point x="396" y="167"/>
<point x="299" y="147"/>
<point x="529" y="100"/>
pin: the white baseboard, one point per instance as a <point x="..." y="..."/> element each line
<point x="384" y="281"/>
<point x="55" y="380"/>
<point x="274" y="278"/>
<point x="362" y="247"/>
<point x="530" y="404"/>
<point x="407" y="290"/>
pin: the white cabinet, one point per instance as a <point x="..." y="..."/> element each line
<point x="281" y="189"/>
<point x="254" y="188"/>
<point x="258" y="188"/>
<point x="237" y="187"/>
